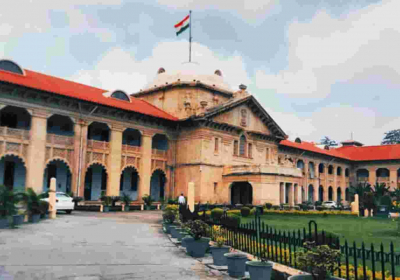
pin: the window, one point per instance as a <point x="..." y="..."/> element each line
<point x="250" y="150"/>
<point x="216" y="147"/>
<point x="243" y="117"/>
<point x="215" y="187"/>
<point x="10" y="66"/>
<point x="242" y="148"/>
<point x="267" y="154"/>
<point x="118" y="94"/>
<point x="235" y="148"/>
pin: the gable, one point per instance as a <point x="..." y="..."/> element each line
<point x="248" y="114"/>
<point x="244" y="117"/>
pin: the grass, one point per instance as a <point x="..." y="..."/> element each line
<point x="352" y="229"/>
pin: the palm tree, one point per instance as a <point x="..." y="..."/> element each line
<point x="380" y="190"/>
<point x="361" y="189"/>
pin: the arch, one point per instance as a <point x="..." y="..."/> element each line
<point x="347" y="172"/>
<point x="157" y="184"/>
<point x="12" y="172"/>
<point x="58" y="159"/>
<point x="310" y="193"/>
<point x="339" y="171"/>
<point x="132" y="137"/>
<point x="347" y="194"/>
<point x="321" y="193"/>
<point x="311" y="169"/>
<point x="330" y="193"/>
<point x="60" y="125"/>
<point x="159" y="142"/>
<point x="98" y="131"/>
<point x="321" y="168"/>
<point x="15" y="155"/>
<point x="330" y="169"/>
<point x="241" y="193"/>
<point x="15" y="117"/>
<point x="339" y="194"/>
<point x="96" y="178"/>
<point x="96" y="162"/>
<point x="303" y="194"/>
<point x="119" y="94"/>
<point x="242" y="146"/>
<point x="11" y="66"/>
<point x="362" y="173"/>
<point x="300" y="164"/>
<point x="382" y="172"/>
<point x="129" y="181"/>
<point x="60" y="169"/>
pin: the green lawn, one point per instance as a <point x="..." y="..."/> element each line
<point x="369" y="230"/>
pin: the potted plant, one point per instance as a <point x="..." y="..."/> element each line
<point x="32" y="201"/>
<point x="126" y="198"/>
<point x="107" y="200"/>
<point x="114" y="200"/>
<point x="169" y="218"/>
<point x="18" y="218"/>
<point x="236" y="264"/>
<point x="319" y="260"/>
<point x="44" y="208"/>
<point x="197" y="245"/>
<point x="260" y="270"/>
<point x="7" y="206"/>
<point x="148" y="200"/>
<point x="219" y="250"/>
<point x="76" y="200"/>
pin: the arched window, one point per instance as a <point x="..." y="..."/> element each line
<point x="10" y="66"/>
<point x="243" y="117"/>
<point x="119" y="94"/>
<point x="235" y="147"/>
<point x="242" y="146"/>
<point x="339" y="171"/>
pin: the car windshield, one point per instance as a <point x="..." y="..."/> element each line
<point x="61" y="195"/>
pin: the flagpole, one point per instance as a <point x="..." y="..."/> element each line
<point x="190" y="36"/>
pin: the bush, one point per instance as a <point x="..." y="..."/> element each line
<point x="318" y="203"/>
<point x="169" y="216"/>
<point x="216" y="214"/>
<point x="297" y="207"/>
<point x="275" y="207"/>
<point x="197" y="229"/>
<point x="253" y="211"/>
<point x="329" y="239"/>
<point x="319" y="208"/>
<point x="268" y="205"/>
<point x="245" y="211"/>
<point x="44" y="207"/>
<point x="386" y="200"/>
<point x="232" y="221"/>
<point x="238" y="206"/>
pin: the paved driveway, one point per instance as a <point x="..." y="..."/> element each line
<point x="92" y="246"/>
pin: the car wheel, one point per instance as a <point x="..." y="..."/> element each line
<point x="68" y="211"/>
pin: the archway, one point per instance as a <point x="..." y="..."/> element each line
<point x="95" y="182"/>
<point x="129" y="182"/>
<point x="311" y="169"/>
<point x="132" y="137"/>
<point x="382" y="173"/>
<point x="330" y="193"/>
<point x="15" y="117"/>
<point x="159" y="142"/>
<point x="339" y="171"/>
<point x="241" y="193"/>
<point x="303" y="194"/>
<point x="339" y="194"/>
<point x="99" y="132"/>
<point x="311" y="193"/>
<point x="347" y="172"/>
<point x="12" y="172"/>
<point x="321" y="193"/>
<point x="61" y="171"/>
<point x="60" y="125"/>
<point x="157" y="185"/>
<point x="330" y="169"/>
<point x="347" y="194"/>
<point x="321" y="168"/>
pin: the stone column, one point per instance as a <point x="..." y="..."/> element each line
<point x="114" y="162"/>
<point x="190" y="196"/>
<point x="393" y="178"/>
<point x="145" y="169"/>
<point x="296" y="194"/>
<point x="79" y="165"/>
<point x="52" y="199"/>
<point x="372" y="176"/>
<point x="37" y="151"/>
<point x="291" y="194"/>
<point x="281" y="193"/>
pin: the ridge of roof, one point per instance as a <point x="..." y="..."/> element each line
<point x="80" y="91"/>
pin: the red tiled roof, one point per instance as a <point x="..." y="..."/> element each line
<point x="382" y="152"/>
<point x="307" y="146"/>
<point x="365" y="153"/>
<point x="83" y="92"/>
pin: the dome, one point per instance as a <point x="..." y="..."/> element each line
<point x="189" y="72"/>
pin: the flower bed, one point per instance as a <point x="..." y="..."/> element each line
<point x="310" y="213"/>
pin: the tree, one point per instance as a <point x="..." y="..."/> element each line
<point x="391" y="137"/>
<point x="361" y="189"/>
<point x="380" y="190"/>
<point x="328" y="142"/>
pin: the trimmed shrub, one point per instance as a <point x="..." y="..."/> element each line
<point x="318" y="203"/>
<point x="238" y="206"/>
<point x="217" y="213"/>
<point x="232" y="220"/>
<point x="245" y="211"/>
<point x="268" y="205"/>
<point x="319" y="208"/>
<point x="275" y="207"/>
<point x="253" y="211"/>
<point x="297" y="207"/>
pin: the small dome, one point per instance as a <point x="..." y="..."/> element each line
<point x="218" y="73"/>
<point x="189" y="73"/>
<point x="161" y="70"/>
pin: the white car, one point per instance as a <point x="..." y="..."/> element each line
<point x="63" y="202"/>
<point x="329" y="204"/>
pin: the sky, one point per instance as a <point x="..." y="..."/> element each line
<point x="319" y="68"/>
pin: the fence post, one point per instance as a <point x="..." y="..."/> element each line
<point x="382" y="262"/>
<point x="347" y="260"/>
<point x="373" y="261"/>
<point x="355" y="260"/>
<point x="315" y="230"/>
<point x="392" y="261"/>
<point x="363" y="260"/>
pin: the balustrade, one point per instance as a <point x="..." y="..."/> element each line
<point x="161" y="153"/>
<point x="55" y="139"/>
<point x="131" y="149"/>
<point x="100" y="145"/>
<point x="21" y="134"/>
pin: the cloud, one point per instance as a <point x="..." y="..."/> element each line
<point x="119" y="68"/>
<point x="328" y="50"/>
<point x="247" y="9"/>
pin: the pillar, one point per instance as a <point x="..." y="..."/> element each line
<point x="190" y="196"/>
<point x="282" y="193"/>
<point x="37" y="151"/>
<point x="79" y="168"/>
<point x="296" y="194"/>
<point x="372" y="176"/>
<point x="145" y="168"/>
<point x="393" y="178"/>
<point x="52" y="199"/>
<point x="114" y="162"/>
<point x="291" y="194"/>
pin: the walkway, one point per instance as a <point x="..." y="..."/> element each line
<point x="91" y="246"/>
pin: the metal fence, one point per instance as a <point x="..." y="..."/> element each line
<point x="259" y="239"/>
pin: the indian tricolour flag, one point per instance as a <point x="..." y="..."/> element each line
<point x="182" y="25"/>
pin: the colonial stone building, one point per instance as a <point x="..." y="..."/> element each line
<point x="186" y="126"/>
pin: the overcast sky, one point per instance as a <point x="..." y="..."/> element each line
<point x="320" y="68"/>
